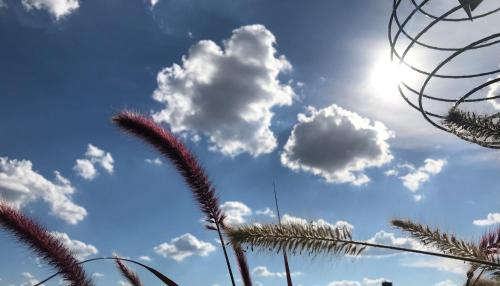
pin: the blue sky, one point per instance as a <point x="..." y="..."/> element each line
<point x="286" y="91"/>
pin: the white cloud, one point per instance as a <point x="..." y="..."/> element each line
<point x="123" y="283"/>
<point x="378" y="282"/>
<point x="266" y="212"/>
<point x="80" y="249"/>
<point x="344" y="283"/>
<point x="153" y="2"/>
<point x="494" y="90"/>
<point x="97" y="275"/>
<point x="3" y="5"/>
<point x="446" y="283"/>
<point x="441" y="264"/>
<point x="416" y="178"/>
<point x="320" y="222"/>
<point x="21" y="185"/>
<point x="235" y="212"/>
<point x="184" y="246"/>
<point x="262" y="271"/>
<point x="156" y="161"/>
<point x="366" y="281"/>
<point x="492" y="218"/>
<point x="31" y="280"/>
<point x="388" y="238"/>
<point x="337" y="145"/>
<point x="58" y="8"/>
<point x="145" y="258"/>
<point x="227" y="93"/>
<point x="85" y="168"/>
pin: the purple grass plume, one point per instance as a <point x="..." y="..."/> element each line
<point x="193" y="173"/>
<point x="45" y="245"/>
<point x="126" y="272"/>
<point x="490" y="242"/>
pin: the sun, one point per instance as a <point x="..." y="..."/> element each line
<point x="386" y="75"/>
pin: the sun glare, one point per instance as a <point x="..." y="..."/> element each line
<point x="386" y="75"/>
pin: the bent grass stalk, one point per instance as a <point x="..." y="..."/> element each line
<point x="194" y="175"/>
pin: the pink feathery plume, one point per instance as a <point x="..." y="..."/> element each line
<point x="44" y="244"/>
<point x="130" y="275"/>
<point x="194" y="175"/>
<point x="490" y="242"/>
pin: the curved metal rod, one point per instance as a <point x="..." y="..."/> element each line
<point x="443" y="63"/>
<point x="158" y="274"/>
<point x="456" y="19"/>
<point x="414" y="40"/>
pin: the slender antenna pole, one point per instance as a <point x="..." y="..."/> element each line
<point x="285" y="257"/>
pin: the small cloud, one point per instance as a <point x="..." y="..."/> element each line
<point x="416" y="178"/>
<point x="446" y="283"/>
<point x="440" y="264"/>
<point x="86" y="169"/>
<point x="58" y="8"/>
<point x="156" y="161"/>
<point x="266" y="212"/>
<point x="145" y="258"/>
<point x="190" y="35"/>
<point x="344" y="283"/>
<point x="153" y="3"/>
<point x="262" y="271"/>
<point x="235" y="212"/>
<point x="388" y="238"/>
<point x="184" y="246"/>
<point x="492" y="218"/>
<point x="97" y="275"/>
<point x="79" y="249"/>
<point x="320" y="222"/>
<point x="3" y="5"/>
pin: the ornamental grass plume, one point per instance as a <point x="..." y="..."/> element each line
<point x="194" y="175"/>
<point x="126" y="272"/>
<point x="45" y="245"/>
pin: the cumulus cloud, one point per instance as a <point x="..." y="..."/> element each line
<point x="337" y="145"/>
<point x="58" y="8"/>
<point x="416" y="178"/>
<point x="31" y="280"/>
<point x="492" y="218"/>
<point x="156" y="161"/>
<point x="227" y="93"/>
<point x="388" y="238"/>
<point x="86" y="169"/>
<point x="262" y="271"/>
<point x="80" y="249"/>
<point x="184" y="246"/>
<point x="494" y="90"/>
<point x="344" y="283"/>
<point x="21" y="185"/>
<point x="145" y="258"/>
<point x="446" y="283"/>
<point x="440" y="264"/>
<point x="266" y="212"/>
<point x="235" y="212"/>
<point x="366" y="282"/>
<point x="320" y="222"/>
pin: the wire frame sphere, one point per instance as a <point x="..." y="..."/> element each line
<point x="482" y="129"/>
